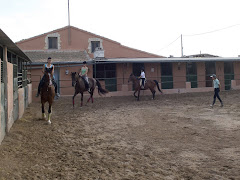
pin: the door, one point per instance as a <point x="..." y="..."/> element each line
<point x="166" y="76"/>
<point x="191" y="74"/>
<point x="110" y="77"/>
<point x="210" y="68"/>
<point x="137" y="70"/>
<point x="228" y="74"/>
<point x="57" y="78"/>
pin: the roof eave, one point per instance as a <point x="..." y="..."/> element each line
<point x="11" y="46"/>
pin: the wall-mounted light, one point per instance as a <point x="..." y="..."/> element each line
<point x="179" y="64"/>
<point x="66" y="71"/>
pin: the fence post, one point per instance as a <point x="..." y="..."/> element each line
<point x="233" y="84"/>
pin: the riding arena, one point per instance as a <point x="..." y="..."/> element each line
<point x="116" y="129"/>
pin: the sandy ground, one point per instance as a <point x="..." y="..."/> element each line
<point x="172" y="137"/>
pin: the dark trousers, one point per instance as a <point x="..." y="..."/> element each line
<point x="143" y="80"/>
<point x="41" y="85"/>
<point x="216" y="94"/>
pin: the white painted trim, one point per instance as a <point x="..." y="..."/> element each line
<point x="57" y="35"/>
<point x="90" y="44"/>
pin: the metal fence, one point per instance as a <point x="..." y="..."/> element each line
<point x="166" y="82"/>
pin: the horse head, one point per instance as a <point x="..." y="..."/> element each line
<point x="48" y="78"/>
<point x="74" y="78"/>
<point x="131" y="77"/>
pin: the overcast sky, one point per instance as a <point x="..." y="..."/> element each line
<point x="148" y="25"/>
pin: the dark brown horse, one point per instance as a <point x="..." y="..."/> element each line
<point x="47" y="95"/>
<point x="80" y="87"/>
<point x="150" y="84"/>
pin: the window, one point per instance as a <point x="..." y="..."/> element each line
<point x="52" y="43"/>
<point x="166" y="69"/>
<point x="137" y="68"/>
<point x="191" y="68"/>
<point x="166" y="76"/>
<point x="106" y="72"/>
<point x="9" y="57"/>
<point x="94" y="44"/>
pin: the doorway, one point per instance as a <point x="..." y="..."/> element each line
<point x="228" y="74"/>
<point x="166" y="76"/>
<point x="210" y="68"/>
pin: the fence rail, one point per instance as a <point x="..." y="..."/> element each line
<point x="167" y="80"/>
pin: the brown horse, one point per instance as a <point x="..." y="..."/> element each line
<point x="80" y="86"/>
<point x="47" y="95"/>
<point x="150" y="84"/>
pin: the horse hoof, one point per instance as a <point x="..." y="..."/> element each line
<point x="43" y="116"/>
<point x="49" y="122"/>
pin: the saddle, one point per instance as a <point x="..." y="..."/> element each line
<point x="85" y="83"/>
<point x="142" y="87"/>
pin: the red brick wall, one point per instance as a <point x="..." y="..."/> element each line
<point x="179" y="75"/>
<point x="79" y="41"/>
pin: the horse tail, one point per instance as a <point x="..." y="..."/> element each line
<point x="100" y="89"/>
<point x="156" y="82"/>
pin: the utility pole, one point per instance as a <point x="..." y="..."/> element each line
<point x="69" y="29"/>
<point x="181" y="46"/>
<point x="68" y="15"/>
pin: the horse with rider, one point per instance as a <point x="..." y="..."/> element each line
<point x="82" y="83"/>
<point x="141" y="83"/>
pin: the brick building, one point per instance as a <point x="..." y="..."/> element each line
<point x="112" y="63"/>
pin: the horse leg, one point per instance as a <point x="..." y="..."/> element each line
<point x="135" y="94"/>
<point x="89" y="98"/>
<point x="73" y="98"/>
<point x="81" y="99"/>
<point x="92" y="96"/>
<point x="49" y="113"/>
<point x="43" y="112"/>
<point x="138" y="94"/>
<point x="153" y="93"/>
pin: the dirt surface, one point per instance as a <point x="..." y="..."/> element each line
<point x="172" y="137"/>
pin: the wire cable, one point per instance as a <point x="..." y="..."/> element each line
<point x="212" y="31"/>
<point x="170" y="43"/>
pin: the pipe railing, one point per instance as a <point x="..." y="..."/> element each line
<point x="227" y="81"/>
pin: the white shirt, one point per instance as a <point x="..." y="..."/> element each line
<point x="142" y="74"/>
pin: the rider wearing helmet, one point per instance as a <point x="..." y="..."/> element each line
<point x="49" y="68"/>
<point x="83" y="73"/>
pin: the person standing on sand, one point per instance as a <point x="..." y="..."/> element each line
<point x="217" y="86"/>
